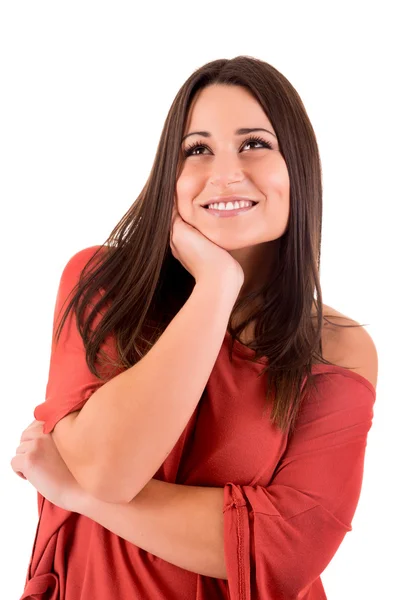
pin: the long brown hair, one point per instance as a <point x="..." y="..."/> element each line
<point x="144" y="286"/>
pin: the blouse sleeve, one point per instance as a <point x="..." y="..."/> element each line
<point x="278" y="539"/>
<point x="70" y="382"/>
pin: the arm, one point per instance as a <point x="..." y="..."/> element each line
<point x="125" y="430"/>
<point x="228" y="532"/>
<point x="305" y="511"/>
<point x="280" y="538"/>
<point x="181" y="524"/>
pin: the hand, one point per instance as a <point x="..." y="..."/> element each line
<point x="38" y="460"/>
<point x="199" y="255"/>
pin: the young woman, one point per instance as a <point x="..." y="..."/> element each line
<point x="206" y="415"/>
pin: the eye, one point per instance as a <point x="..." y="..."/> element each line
<point x="189" y="151"/>
<point x="258" y="140"/>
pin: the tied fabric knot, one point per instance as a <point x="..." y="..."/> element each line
<point x="42" y="587"/>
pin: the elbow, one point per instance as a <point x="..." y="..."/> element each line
<point x="95" y="472"/>
<point x="105" y="486"/>
<point x="118" y="481"/>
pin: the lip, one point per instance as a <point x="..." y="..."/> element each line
<point x="228" y="199"/>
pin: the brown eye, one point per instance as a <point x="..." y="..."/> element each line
<point x="258" y="140"/>
<point x="253" y="139"/>
<point x="189" y="150"/>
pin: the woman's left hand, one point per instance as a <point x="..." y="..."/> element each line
<point x="38" y="460"/>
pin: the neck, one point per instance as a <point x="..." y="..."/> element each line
<point x="257" y="263"/>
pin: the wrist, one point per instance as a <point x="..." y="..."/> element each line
<point x="228" y="284"/>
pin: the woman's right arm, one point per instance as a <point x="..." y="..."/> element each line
<point x="119" y="439"/>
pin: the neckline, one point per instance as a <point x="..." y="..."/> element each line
<point x="241" y="349"/>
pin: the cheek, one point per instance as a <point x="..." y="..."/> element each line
<point x="185" y="185"/>
<point x="188" y="187"/>
<point x="274" y="177"/>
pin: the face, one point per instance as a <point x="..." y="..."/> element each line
<point x="224" y="163"/>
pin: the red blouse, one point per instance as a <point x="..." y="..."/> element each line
<point x="288" y="503"/>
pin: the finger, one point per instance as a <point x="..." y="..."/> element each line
<point x="24" y="447"/>
<point x="18" y="466"/>
<point x="30" y="435"/>
<point x="32" y="432"/>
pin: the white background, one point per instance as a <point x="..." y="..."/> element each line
<point x="85" y="90"/>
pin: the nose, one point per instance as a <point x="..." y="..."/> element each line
<point x="225" y="169"/>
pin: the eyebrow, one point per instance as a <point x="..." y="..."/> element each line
<point x="241" y="131"/>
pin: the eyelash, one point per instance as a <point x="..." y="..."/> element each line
<point x="188" y="151"/>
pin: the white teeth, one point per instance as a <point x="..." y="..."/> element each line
<point x="230" y="205"/>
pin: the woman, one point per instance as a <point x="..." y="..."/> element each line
<point x="204" y="427"/>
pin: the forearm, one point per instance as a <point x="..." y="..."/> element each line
<point x="181" y="524"/>
<point x="131" y="424"/>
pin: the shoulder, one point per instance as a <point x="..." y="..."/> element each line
<point x="349" y="346"/>
<point x="71" y="273"/>
<point x="80" y="258"/>
<point x="77" y="262"/>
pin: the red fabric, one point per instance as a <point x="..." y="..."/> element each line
<point x="287" y="503"/>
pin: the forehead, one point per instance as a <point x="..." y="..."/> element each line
<point x="225" y="106"/>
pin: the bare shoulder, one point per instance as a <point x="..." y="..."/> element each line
<point x="349" y="346"/>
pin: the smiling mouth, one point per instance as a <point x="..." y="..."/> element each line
<point x="252" y="202"/>
<point x="230" y="212"/>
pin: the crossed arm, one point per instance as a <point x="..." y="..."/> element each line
<point x="181" y="524"/>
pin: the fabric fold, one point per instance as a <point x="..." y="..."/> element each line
<point x="279" y="538"/>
